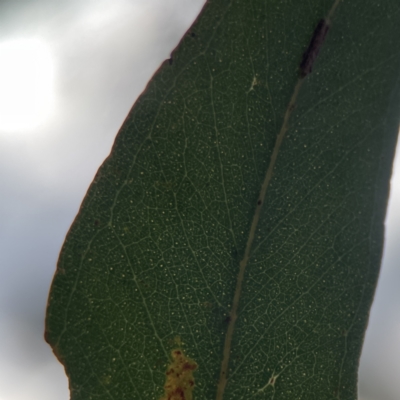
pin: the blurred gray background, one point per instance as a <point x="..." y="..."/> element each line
<point x="70" y="71"/>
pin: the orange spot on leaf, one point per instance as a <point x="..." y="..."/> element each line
<point x="179" y="384"/>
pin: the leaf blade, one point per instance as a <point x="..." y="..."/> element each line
<point x="155" y="250"/>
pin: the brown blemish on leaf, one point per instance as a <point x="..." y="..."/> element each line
<point x="271" y="382"/>
<point x="175" y="341"/>
<point x="179" y="384"/>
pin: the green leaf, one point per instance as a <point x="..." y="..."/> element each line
<point x="238" y="220"/>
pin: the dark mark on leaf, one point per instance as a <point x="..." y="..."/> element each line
<point x="314" y="47"/>
<point x="227" y="319"/>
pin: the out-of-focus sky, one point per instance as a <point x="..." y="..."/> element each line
<point x="70" y="71"/>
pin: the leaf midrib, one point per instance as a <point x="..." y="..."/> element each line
<point x="223" y="377"/>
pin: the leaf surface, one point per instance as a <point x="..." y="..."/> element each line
<point x="239" y="216"/>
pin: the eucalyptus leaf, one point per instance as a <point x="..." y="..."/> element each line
<point x="229" y="246"/>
